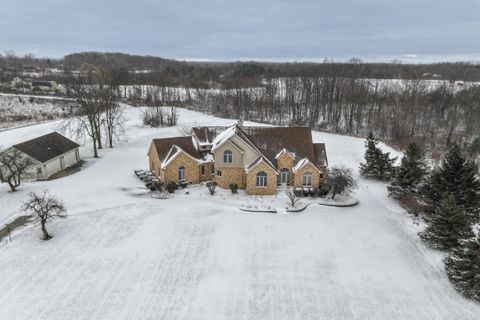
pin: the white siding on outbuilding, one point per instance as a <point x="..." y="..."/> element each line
<point x="49" y="168"/>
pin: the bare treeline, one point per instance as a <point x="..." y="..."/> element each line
<point x="434" y="114"/>
<point x="99" y="116"/>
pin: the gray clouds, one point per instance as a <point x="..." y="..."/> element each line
<point x="213" y="29"/>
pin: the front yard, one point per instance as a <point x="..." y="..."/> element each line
<point x="124" y="255"/>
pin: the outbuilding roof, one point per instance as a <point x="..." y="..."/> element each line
<point x="47" y="147"/>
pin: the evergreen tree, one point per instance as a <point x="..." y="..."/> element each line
<point x="456" y="176"/>
<point x="463" y="267"/>
<point x="410" y="173"/>
<point x="446" y="225"/>
<point x="378" y="165"/>
<point x="473" y="149"/>
<point x="371" y="156"/>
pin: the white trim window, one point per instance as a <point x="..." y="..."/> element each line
<point x="307" y="179"/>
<point x="181" y="173"/>
<point x="227" y="156"/>
<point x="261" y="180"/>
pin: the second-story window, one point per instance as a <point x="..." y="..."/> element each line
<point x="227" y="156"/>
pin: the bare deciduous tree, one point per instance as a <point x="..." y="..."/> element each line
<point x="14" y="166"/>
<point x="211" y="185"/>
<point x="292" y="197"/>
<point x="113" y="119"/>
<point x="44" y="207"/>
<point x="99" y="108"/>
<point x="89" y="117"/>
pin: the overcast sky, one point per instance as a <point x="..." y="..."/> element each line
<point x="245" y="29"/>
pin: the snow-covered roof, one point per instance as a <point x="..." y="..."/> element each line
<point x="223" y="137"/>
<point x="174" y="152"/>
<point x="301" y="163"/>
<point x="207" y="158"/>
<point x="256" y="162"/>
<point x="284" y="151"/>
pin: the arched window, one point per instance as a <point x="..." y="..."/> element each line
<point x="227" y="156"/>
<point x="261" y="179"/>
<point x="307" y="179"/>
<point x="181" y="173"/>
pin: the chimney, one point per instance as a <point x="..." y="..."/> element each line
<point x="240" y="122"/>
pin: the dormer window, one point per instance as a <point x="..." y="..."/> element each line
<point x="227" y="156"/>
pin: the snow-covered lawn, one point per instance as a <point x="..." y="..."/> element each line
<point x="124" y="255"/>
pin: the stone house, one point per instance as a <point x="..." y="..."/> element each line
<point x="258" y="159"/>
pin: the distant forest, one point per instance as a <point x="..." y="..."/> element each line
<point x="434" y="104"/>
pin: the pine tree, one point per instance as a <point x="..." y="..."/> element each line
<point x="386" y="168"/>
<point x="446" y="225"/>
<point x="463" y="266"/>
<point x="378" y="165"/>
<point x="457" y="176"/>
<point x="410" y="174"/>
<point x="371" y="156"/>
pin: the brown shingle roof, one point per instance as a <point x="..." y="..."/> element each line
<point x="320" y="153"/>
<point x="271" y="140"/>
<point x="164" y="145"/>
<point x="47" y="147"/>
<point x="207" y="134"/>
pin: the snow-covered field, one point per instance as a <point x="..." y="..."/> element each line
<point x="123" y="255"/>
<point x="18" y="110"/>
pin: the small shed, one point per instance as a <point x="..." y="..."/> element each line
<point x="51" y="153"/>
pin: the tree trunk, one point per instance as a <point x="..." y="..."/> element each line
<point x="333" y="195"/>
<point x="46" y="236"/>
<point x="95" y="152"/>
<point x="13" y="188"/>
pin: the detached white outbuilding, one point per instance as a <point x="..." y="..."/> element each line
<point x="51" y="153"/>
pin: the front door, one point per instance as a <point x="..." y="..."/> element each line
<point x="284" y="176"/>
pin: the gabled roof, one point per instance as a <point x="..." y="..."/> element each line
<point x="284" y="151"/>
<point x="164" y="147"/>
<point x="320" y="153"/>
<point x="173" y="153"/>
<point x="206" y="135"/>
<point x="271" y="142"/>
<point x="302" y="163"/>
<point x="297" y="140"/>
<point x="224" y="137"/>
<point x="47" y="147"/>
<point x="257" y="161"/>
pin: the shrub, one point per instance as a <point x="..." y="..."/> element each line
<point x="211" y="185"/>
<point x="171" y="187"/>
<point x="233" y="187"/>
<point x="339" y="181"/>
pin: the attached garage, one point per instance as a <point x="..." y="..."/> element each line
<point x="51" y="153"/>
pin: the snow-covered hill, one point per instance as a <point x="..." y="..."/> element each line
<point x="121" y="255"/>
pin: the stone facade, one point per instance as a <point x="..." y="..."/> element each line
<point x="244" y="153"/>
<point x="251" y="177"/>
<point x="192" y="171"/>
<point x="207" y="172"/>
<point x="154" y="162"/>
<point x="285" y="161"/>
<point x="230" y="175"/>
<point x="298" y="176"/>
